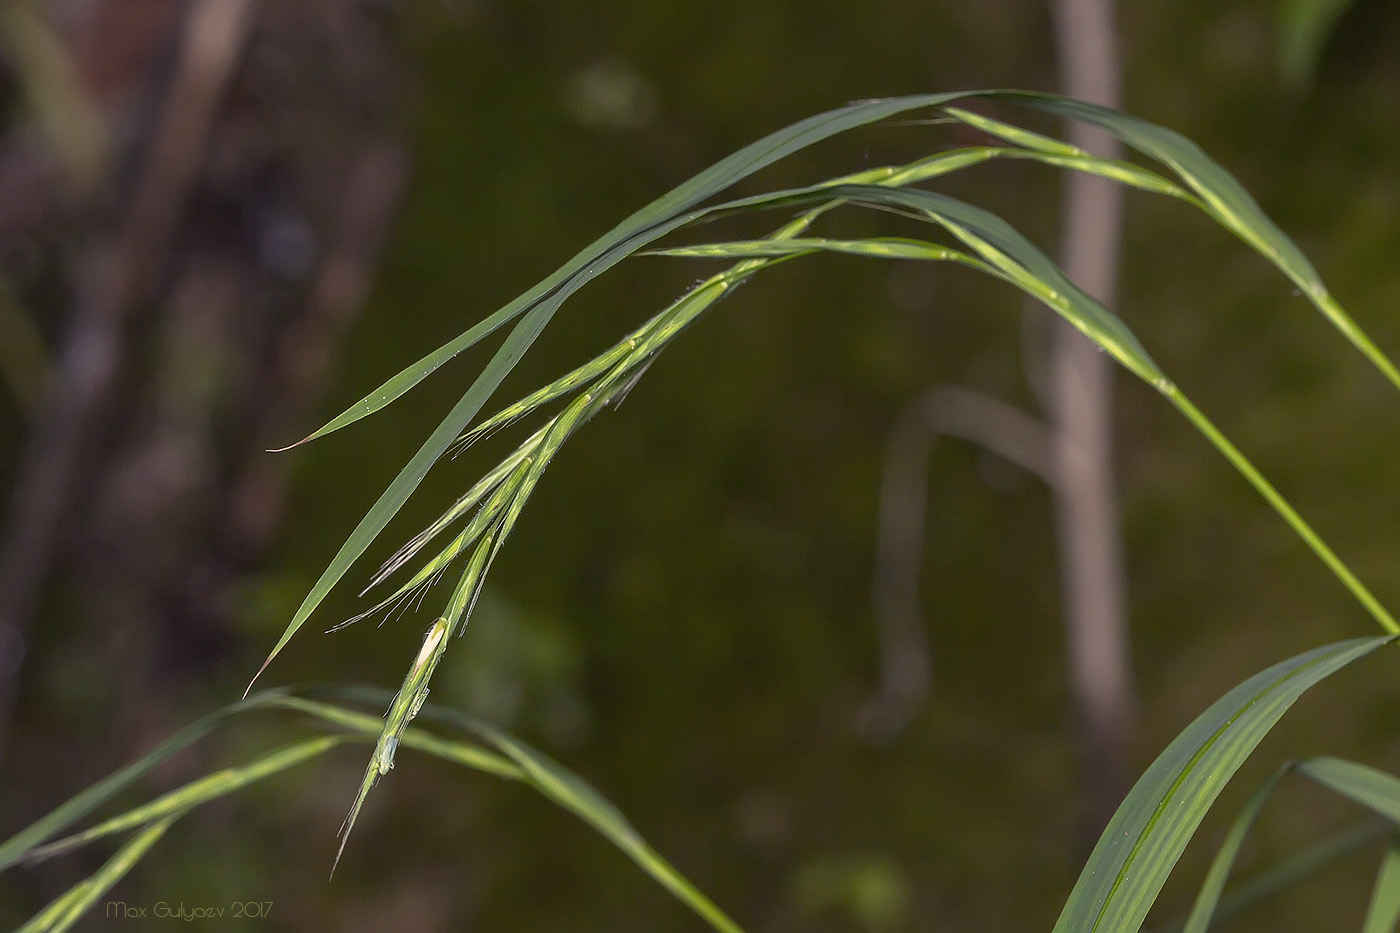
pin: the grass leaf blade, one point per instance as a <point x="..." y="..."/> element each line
<point x="197" y="792"/>
<point x="1226" y="200"/>
<point x="1370" y="787"/>
<point x="1208" y="899"/>
<point x="541" y="302"/>
<point x="572" y="793"/>
<point x="1147" y="834"/>
<point x="1383" y="913"/>
<point x="18" y="846"/>
<point x="69" y="908"/>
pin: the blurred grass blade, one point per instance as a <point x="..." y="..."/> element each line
<point x="1286" y="875"/>
<point x="75" y="808"/>
<point x="23" y="844"/>
<point x="1370" y="787"/>
<point x="1374" y="789"/>
<point x="1303" y="28"/>
<point x="78" y="900"/>
<point x="197" y="792"/>
<point x="574" y="794"/>
<point x="563" y="787"/>
<point x="1383" y="913"/>
<point x="516" y="761"/>
<point x="369" y="725"/>
<point x="1147" y="834"/>
<point x="1209" y="897"/>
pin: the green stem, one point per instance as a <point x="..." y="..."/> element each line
<point x="1343" y="322"/>
<point x="1282" y="507"/>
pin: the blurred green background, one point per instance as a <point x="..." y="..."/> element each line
<point x="683" y="614"/>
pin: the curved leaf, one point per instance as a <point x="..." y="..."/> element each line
<point x="1287" y="874"/>
<point x="177" y="802"/>
<point x="1383" y="913"/>
<point x="1208" y="898"/>
<point x="574" y="794"/>
<point x="1226" y="200"/>
<point x="1371" y="787"/>
<point x="716" y="178"/>
<point x="1303" y="28"/>
<point x="1150" y="829"/>
<point x="1376" y="790"/>
<point x="80" y="805"/>
<point x="541" y="302"/>
<point x="1010" y="256"/>
<point x="566" y="789"/>
<point x="516" y="761"/>
<point x="69" y="908"/>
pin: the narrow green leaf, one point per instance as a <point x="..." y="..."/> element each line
<point x="1368" y="786"/>
<point x="1383" y="913"/>
<point x="1150" y="829"/>
<point x="1125" y="173"/>
<point x="1303" y="28"/>
<point x="1291" y="871"/>
<point x="1225" y="200"/>
<point x="519" y="762"/>
<point x="576" y="795"/>
<point x="873" y="247"/>
<point x="541" y="302"/>
<point x="197" y="792"/>
<point x="398" y="491"/>
<point x="69" y="908"/>
<point x="1017" y="136"/>
<point x="1021" y="262"/>
<point x="1363" y="595"/>
<point x="1229" y="202"/>
<point x="1018" y="261"/>
<point x="1373" y="789"/>
<point x="416" y="372"/>
<point x="18" y="846"/>
<point x="568" y="790"/>
<point x="716" y="178"/>
<point x="1209" y="897"/>
<point x="369" y="726"/>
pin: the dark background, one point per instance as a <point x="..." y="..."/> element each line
<point x="683" y="614"/>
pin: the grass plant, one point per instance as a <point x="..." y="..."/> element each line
<point x="1140" y="847"/>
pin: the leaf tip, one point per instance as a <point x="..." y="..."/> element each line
<point x="249" y="689"/>
<point x="291" y="446"/>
